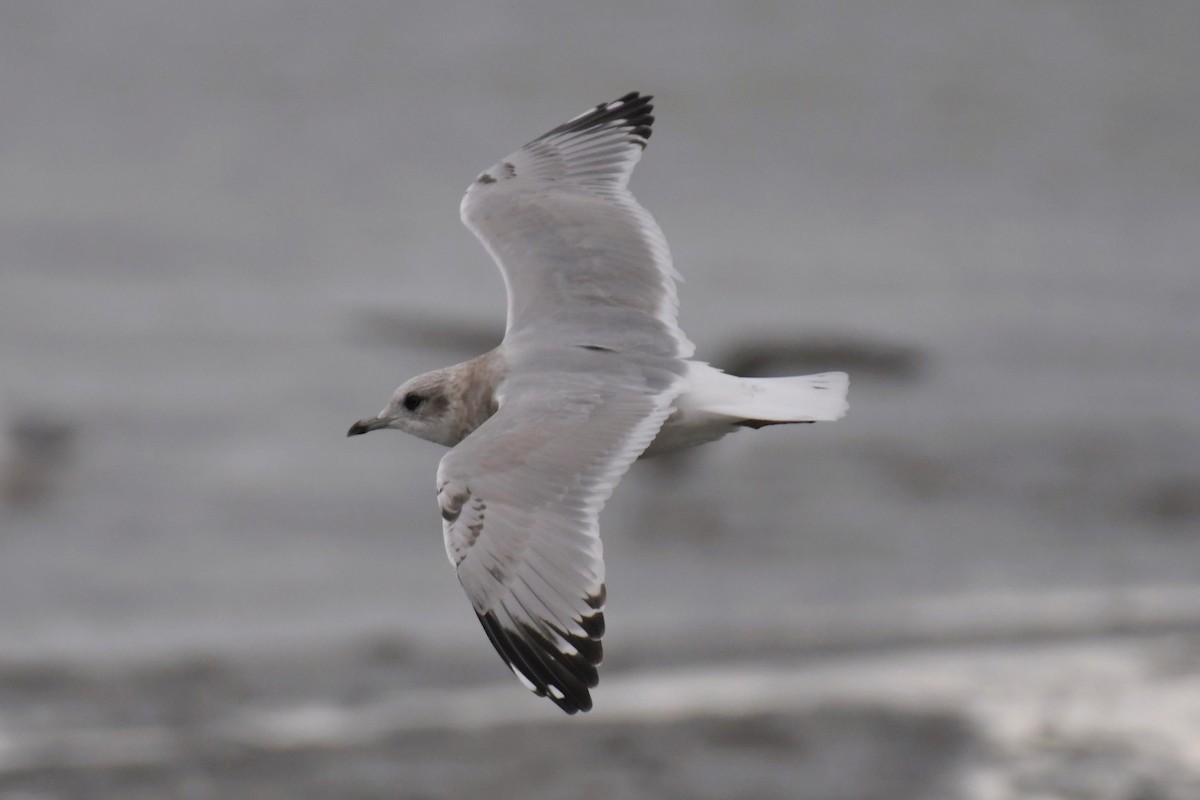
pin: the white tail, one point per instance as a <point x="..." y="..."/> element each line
<point x="803" y="398"/>
<point x="714" y="404"/>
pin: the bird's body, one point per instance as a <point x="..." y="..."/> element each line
<point x="709" y="403"/>
<point x="592" y="374"/>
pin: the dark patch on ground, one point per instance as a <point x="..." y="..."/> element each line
<point x="859" y="356"/>
<point x="1170" y="501"/>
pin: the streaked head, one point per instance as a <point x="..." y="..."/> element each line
<point x="420" y="407"/>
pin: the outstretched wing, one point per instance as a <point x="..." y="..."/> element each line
<point x="577" y="252"/>
<point x="520" y="499"/>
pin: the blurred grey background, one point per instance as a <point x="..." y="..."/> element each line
<point x="230" y="229"/>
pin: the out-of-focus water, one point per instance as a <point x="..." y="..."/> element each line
<point x="206" y="211"/>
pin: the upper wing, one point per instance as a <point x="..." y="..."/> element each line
<point x="578" y="254"/>
<point x="520" y="499"/>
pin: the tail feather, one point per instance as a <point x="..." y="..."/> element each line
<point x="714" y="404"/>
<point x="765" y="401"/>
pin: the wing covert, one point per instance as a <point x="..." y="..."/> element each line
<point x="520" y="498"/>
<point x="578" y="254"/>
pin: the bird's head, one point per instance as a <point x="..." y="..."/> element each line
<point x="420" y="407"/>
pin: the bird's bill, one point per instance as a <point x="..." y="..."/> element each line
<point x="367" y="425"/>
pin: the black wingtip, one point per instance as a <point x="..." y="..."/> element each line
<point x="562" y="677"/>
<point x="632" y="111"/>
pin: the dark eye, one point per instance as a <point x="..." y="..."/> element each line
<point x="413" y="401"/>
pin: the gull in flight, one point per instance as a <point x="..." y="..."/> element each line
<point x="593" y="373"/>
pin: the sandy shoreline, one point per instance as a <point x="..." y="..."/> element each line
<point x="1102" y="715"/>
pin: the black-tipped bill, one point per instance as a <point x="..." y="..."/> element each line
<point x="366" y="425"/>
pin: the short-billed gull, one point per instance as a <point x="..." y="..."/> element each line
<point x="592" y="374"/>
